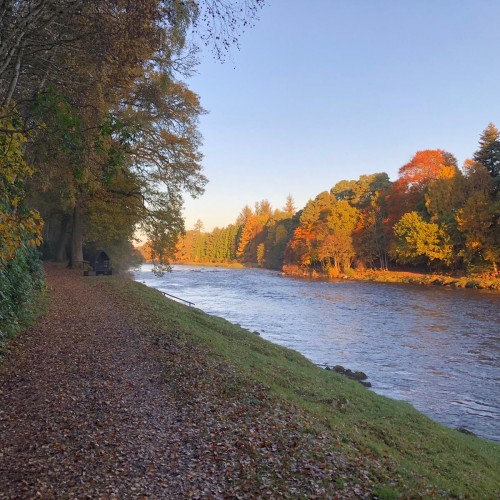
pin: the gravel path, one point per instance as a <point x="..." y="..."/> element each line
<point x="90" y="407"/>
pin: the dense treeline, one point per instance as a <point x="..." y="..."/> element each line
<point x="98" y="130"/>
<point x="434" y="215"/>
<point x="258" y="236"/>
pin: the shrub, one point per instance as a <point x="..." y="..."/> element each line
<point x="20" y="278"/>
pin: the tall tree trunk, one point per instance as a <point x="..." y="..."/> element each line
<point x="62" y="241"/>
<point x="15" y="78"/>
<point x="77" y="237"/>
<point x="384" y="263"/>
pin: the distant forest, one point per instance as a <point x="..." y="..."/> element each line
<point x="434" y="216"/>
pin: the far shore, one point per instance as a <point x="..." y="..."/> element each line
<point x="409" y="277"/>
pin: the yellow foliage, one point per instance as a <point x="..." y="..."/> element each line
<point x="447" y="172"/>
<point x="18" y="224"/>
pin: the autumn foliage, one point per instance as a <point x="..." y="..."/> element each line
<point x="18" y="224"/>
<point x="433" y="216"/>
<point x="427" y="166"/>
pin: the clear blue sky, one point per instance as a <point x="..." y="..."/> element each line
<point x="325" y="90"/>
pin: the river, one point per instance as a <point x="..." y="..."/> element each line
<point x="434" y="347"/>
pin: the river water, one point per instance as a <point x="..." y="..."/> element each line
<point x="434" y="347"/>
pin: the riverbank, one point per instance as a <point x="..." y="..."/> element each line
<point x="384" y="446"/>
<point x="136" y="391"/>
<point x="414" y="278"/>
<point x="429" y="346"/>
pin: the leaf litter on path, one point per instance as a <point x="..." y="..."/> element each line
<point x="95" y="403"/>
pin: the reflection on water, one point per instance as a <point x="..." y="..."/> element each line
<point x="436" y="348"/>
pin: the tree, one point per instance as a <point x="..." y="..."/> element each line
<point x="418" y="241"/>
<point x="20" y="229"/>
<point x="337" y="250"/>
<point x="478" y="218"/>
<point x="488" y="153"/>
<point x="342" y="218"/>
<point x="360" y="193"/>
<point x="30" y="33"/>
<point x="407" y="193"/>
<point x="369" y="238"/>
<point x="367" y="194"/>
<point x="263" y="209"/>
<point x="422" y="170"/>
<point x="427" y="166"/>
<point x="279" y="230"/>
<point x="112" y="65"/>
<point x="260" y="254"/>
<point x="244" y="215"/>
<point x="289" y="207"/>
<point x="443" y="199"/>
<point x="278" y="235"/>
<point x="145" y="132"/>
<point x="300" y="247"/>
<point x="220" y="22"/>
<point x="186" y="245"/>
<point x="252" y="235"/>
<point x="338" y="245"/>
<point x="18" y="224"/>
<point x="41" y="39"/>
<point x="198" y="226"/>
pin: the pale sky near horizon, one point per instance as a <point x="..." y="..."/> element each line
<point x="325" y="90"/>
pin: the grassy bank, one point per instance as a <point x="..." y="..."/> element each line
<point x="386" y="444"/>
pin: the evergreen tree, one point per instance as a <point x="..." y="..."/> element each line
<point x="289" y="207"/>
<point x="478" y="219"/>
<point x="488" y="153"/>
